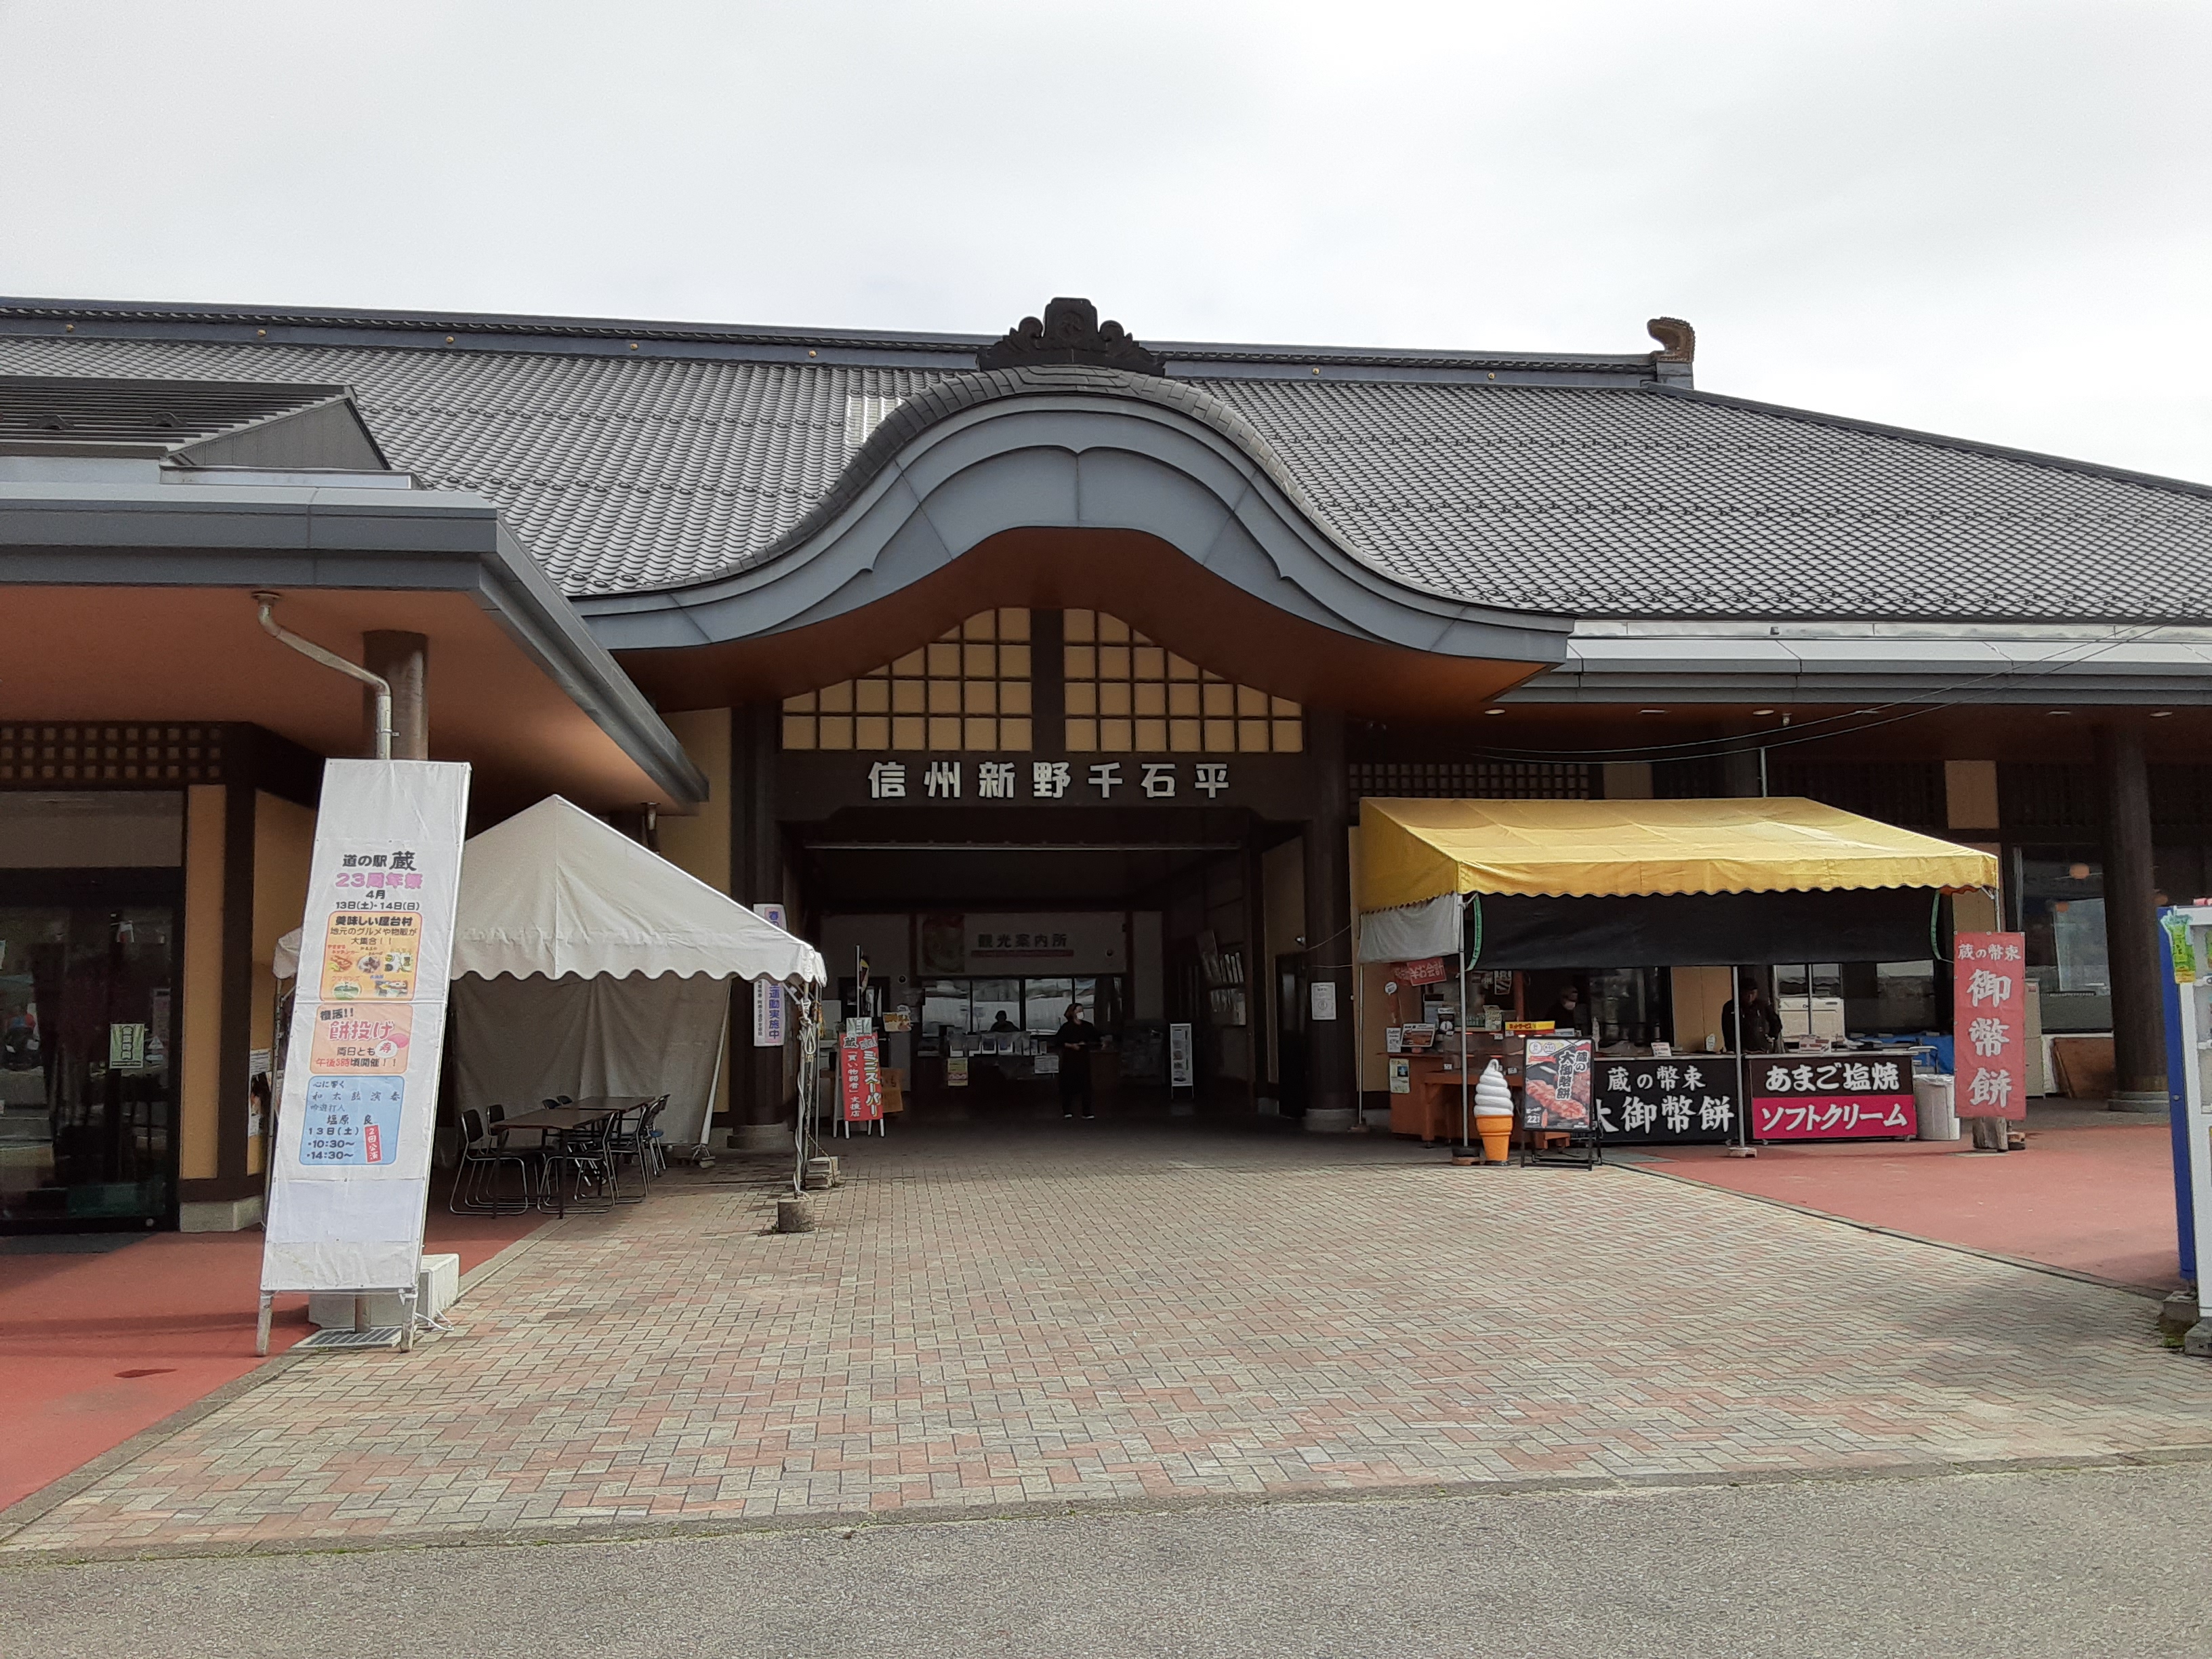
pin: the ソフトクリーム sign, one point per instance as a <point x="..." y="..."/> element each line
<point x="1832" y="1097"/>
<point x="352" y="1165"/>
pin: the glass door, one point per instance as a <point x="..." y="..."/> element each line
<point x="87" y="1050"/>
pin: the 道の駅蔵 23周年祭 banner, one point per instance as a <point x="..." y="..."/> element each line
<point x="1830" y="1097"/>
<point x="352" y="1160"/>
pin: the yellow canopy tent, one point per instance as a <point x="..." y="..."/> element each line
<point x="1414" y="850"/>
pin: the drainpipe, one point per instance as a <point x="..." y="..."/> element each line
<point x="376" y="684"/>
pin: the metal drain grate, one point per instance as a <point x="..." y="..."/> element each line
<point x="381" y="1336"/>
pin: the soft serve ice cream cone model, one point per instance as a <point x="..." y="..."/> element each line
<point x="1493" y="1113"/>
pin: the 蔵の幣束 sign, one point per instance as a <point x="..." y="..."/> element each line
<point x="1832" y="1097"/>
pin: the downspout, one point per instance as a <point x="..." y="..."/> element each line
<point x="376" y="683"/>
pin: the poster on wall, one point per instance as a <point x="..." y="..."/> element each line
<point x="1832" y="1097"/>
<point x="944" y="944"/>
<point x="1555" y="1084"/>
<point x="1665" y="1099"/>
<point x="1988" y="1024"/>
<point x="1181" y="1072"/>
<point x="769" y="1029"/>
<point x="352" y="1168"/>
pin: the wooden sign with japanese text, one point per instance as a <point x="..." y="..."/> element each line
<point x="1988" y="1024"/>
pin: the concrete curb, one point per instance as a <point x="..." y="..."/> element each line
<point x="25" y="1511"/>
<point x="921" y="1514"/>
<point x="2155" y="1293"/>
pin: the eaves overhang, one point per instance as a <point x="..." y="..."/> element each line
<point x="1067" y="447"/>
<point x="336" y="540"/>
<point x="1995" y="665"/>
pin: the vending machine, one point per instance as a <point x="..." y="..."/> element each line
<point x="2187" y="930"/>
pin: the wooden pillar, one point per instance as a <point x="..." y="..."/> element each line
<point x="404" y="661"/>
<point x="762" y="1122"/>
<point x="2131" y="920"/>
<point x="1331" y="1085"/>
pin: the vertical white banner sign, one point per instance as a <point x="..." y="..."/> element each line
<point x="768" y="997"/>
<point x="360" y="1091"/>
<point x="1181" y="1074"/>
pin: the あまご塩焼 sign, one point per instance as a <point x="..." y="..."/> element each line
<point x="1830" y="1096"/>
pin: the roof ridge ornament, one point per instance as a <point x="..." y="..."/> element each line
<point x="1070" y="332"/>
<point x="1677" y="341"/>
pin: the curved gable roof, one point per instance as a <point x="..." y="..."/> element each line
<point x="1555" y="486"/>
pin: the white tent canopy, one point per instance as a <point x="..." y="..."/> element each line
<point x="557" y="893"/>
<point x="585" y="964"/>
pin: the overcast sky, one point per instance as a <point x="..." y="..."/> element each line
<point x="1991" y="220"/>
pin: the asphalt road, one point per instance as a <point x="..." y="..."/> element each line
<point x="2012" y="1566"/>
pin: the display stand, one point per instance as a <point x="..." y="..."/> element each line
<point x="1557" y="1100"/>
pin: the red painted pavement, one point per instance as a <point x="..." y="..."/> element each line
<point x="2098" y="1200"/>
<point x="178" y="1307"/>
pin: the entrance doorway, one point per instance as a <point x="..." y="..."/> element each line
<point x="88" y="965"/>
<point x="980" y="931"/>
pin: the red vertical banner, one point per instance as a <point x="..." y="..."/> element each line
<point x="860" y="1089"/>
<point x="1988" y="1024"/>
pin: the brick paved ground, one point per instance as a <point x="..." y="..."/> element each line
<point x="1165" y="1315"/>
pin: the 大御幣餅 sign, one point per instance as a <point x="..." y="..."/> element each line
<point x="1989" y="1025"/>
<point x="1832" y="1097"/>
<point x="352" y="1159"/>
<point x="1672" y="1099"/>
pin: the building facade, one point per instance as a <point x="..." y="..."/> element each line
<point x="1045" y="668"/>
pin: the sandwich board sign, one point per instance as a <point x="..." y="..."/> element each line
<point x="352" y="1169"/>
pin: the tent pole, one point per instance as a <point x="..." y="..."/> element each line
<point x="1462" y="1025"/>
<point x="706" y="1148"/>
<point x="1742" y="1075"/>
<point x="1358" y="1032"/>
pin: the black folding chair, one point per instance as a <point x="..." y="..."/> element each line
<point x="585" y="1159"/>
<point x="639" y="1142"/>
<point x="477" y="1182"/>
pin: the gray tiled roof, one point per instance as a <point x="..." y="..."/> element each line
<point x="66" y="409"/>
<point x="622" y="473"/>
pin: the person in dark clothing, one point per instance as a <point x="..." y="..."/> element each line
<point x="1762" y="1026"/>
<point x="1567" y="1012"/>
<point x="1075" y="1039"/>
